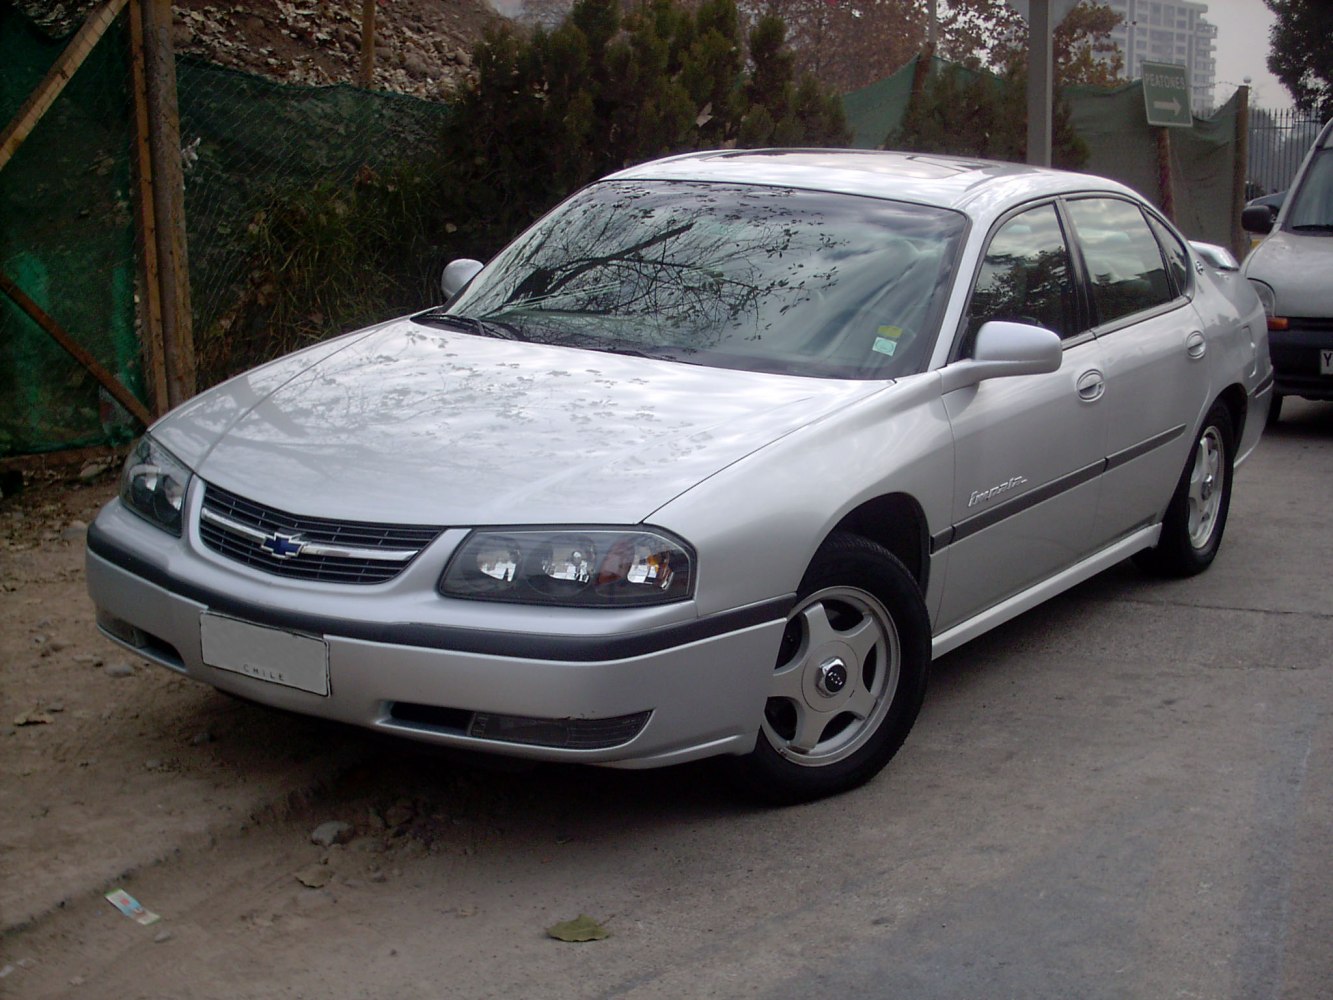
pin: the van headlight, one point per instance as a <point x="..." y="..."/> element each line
<point x="571" y="567"/>
<point x="153" y="485"/>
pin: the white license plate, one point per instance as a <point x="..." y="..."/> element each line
<point x="266" y="654"/>
<point x="1326" y="362"/>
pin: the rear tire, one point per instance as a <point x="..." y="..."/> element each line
<point x="849" y="679"/>
<point x="1197" y="515"/>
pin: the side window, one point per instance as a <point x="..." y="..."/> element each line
<point x="1177" y="257"/>
<point x="1026" y="276"/>
<point x="1124" y="262"/>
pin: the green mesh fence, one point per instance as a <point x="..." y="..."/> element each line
<point x="1120" y="145"/>
<point x="251" y="145"/>
<point x="67" y="233"/>
<point x="67" y="240"/>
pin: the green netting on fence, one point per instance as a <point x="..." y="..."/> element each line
<point x="876" y="110"/>
<point x="1120" y="145"/>
<point x="66" y="217"/>
<point x="254" y="146"/>
<point x="67" y="240"/>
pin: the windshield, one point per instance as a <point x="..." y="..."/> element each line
<point x="760" y="278"/>
<point x="1312" y="203"/>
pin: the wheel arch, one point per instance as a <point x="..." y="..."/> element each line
<point x="897" y="522"/>
<point x="1237" y="402"/>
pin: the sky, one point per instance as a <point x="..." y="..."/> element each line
<point x="1242" y="50"/>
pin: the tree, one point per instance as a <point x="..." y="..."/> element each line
<point x="554" y="108"/>
<point x="1300" y="56"/>
<point x="991" y="33"/>
<point x="848" y="44"/>
<point x="969" y="112"/>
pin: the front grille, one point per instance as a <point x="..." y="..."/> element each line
<point x="308" y="548"/>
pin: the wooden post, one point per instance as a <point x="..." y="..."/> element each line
<point x="1165" y="181"/>
<point x="41" y="99"/>
<point x="168" y="199"/>
<point x="1240" y="240"/>
<point x="151" y="336"/>
<point x="366" y="76"/>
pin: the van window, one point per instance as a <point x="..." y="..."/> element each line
<point x="1312" y="203"/>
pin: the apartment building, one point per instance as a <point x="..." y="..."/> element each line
<point x="1169" y="31"/>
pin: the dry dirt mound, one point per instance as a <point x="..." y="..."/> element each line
<point x="423" y="47"/>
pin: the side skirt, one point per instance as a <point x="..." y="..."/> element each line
<point x="1012" y="607"/>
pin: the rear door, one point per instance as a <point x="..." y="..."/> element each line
<point x="1155" y="355"/>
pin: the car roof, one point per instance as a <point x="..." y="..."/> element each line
<point x="963" y="184"/>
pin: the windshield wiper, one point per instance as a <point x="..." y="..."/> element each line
<point x="472" y="324"/>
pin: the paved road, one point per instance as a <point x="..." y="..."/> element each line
<point x="1127" y="793"/>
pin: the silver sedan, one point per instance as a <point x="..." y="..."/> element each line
<point x="711" y="461"/>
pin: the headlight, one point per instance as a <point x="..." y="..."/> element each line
<point x="153" y="485"/>
<point x="1266" y="296"/>
<point x="574" y="567"/>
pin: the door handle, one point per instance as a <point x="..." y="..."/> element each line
<point x="1195" y="345"/>
<point x="1091" y="385"/>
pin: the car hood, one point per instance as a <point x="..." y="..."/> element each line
<point x="413" y="424"/>
<point x="1296" y="266"/>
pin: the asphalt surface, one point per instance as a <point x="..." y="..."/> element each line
<point x="1125" y="793"/>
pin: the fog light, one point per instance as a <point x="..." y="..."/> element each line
<point x="120" y="629"/>
<point x="569" y="734"/>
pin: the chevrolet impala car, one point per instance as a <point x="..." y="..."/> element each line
<point x="713" y="460"/>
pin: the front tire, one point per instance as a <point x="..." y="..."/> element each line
<point x="1197" y="515"/>
<point x="849" y="679"/>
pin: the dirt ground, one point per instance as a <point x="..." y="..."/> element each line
<point x="105" y="756"/>
<point x="115" y="773"/>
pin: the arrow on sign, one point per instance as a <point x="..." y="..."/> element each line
<point x="1172" y="105"/>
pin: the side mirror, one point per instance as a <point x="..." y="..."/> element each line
<point x="1219" y="258"/>
<point x="457" y="273"/>
<point x="1257" y="219"/>
<point x="1004" y="349"/>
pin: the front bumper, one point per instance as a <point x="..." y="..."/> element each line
<point x="601" y="687"/>
<point x="1296" y="352"/>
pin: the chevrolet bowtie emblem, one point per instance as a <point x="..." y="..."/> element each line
<point x="282" y="546"/>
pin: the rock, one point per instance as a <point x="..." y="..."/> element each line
<point x="89" y="660"/>
<point x="335" y="831"/>
<point x="315" y="876"/>
<point x="399" y="814"/>
<point x="33" y="718"/>
<point x="162" y="936"/>
<point x="121" y="669"/>
<point x="202" y="737"/>
<point x="76" y="531"/>
<point x="92" y="470"/>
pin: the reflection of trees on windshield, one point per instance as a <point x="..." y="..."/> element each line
<point x="770" y="274"/>
<point x="698" y="269"/>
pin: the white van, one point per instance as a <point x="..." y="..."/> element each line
<point x="1292" y="270"/>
